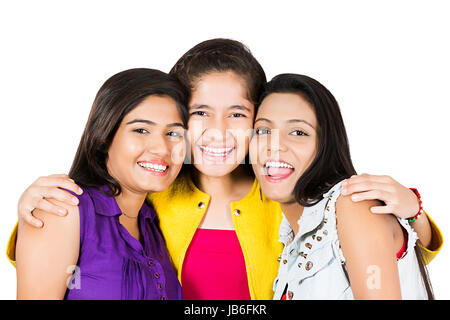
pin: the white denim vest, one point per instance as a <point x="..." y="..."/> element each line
<point x="312" y="264"/>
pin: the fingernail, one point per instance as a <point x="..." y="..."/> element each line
<point x="356" y="198"/>
<point x="80" y="191"/>
<point x="38" y="224"/>
<point x="62" y="211"/>
<point x="344" y="191"/>
<point x="75" y="200"/>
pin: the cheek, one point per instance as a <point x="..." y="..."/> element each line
<point x="241" y="133"/>
<point x="125" y="148"/>
<point x="257" y="149"/>
<point x="195" y="129"/>
<point x="306" y="154"/>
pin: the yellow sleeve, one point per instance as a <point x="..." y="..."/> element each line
<point x="11" y="248"/>
<point x="437" y="240"/>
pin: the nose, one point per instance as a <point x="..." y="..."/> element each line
<point x="157" y="145"/>
<point x="216" y="131"/>
<point x="276" y="143"/>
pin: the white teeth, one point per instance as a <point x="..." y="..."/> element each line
<point x="216" y="151"/>
<point x="276" y="164"/>
<point x="155" y="167"/>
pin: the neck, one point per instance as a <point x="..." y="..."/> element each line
<point x="292" y="211"/>
<point x="130" y="202"/>
<point x="230" y="184"/>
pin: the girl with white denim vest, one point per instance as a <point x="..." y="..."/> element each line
<point x="313" y="265"/>
<point x="334" y="248"/>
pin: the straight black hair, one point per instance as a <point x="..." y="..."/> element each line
<point x="332" y="162"/>
<point x="116" y="98"/>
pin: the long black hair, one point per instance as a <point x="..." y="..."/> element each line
<point x="333" y="162"/>
<point x="116" y="98"/>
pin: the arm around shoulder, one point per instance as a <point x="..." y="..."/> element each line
<point x="45" y="257"/>
<point x="367" y="242"/>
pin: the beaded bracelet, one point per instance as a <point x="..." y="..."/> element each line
<point x="412" y="219"/>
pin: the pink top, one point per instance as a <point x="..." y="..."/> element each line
<point x="214" y="267"/>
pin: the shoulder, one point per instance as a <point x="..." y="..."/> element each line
<point x="74" y="223"/>
<point x="359" y="229"/>
<point x="358" y="214"/>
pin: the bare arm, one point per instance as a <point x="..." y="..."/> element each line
<point x="399" y="200"/>
<point x="44" y="256"/>
<point x="37" y="196"/>
<point x="368" y="244"/>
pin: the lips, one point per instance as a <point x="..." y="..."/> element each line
<point x="156" y="167"/>
<point x="277" y="170"/>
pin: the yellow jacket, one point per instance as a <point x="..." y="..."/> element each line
<point x="256" y="220"/>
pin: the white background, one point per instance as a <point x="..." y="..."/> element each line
<point x="386" y="62"/>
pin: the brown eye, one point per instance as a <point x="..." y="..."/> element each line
<point x="299" y="133"/>
<point x="199" y="113"/>
<point x="262" y="131"/>
<point x="174" y="134"/>
<point x="141" y="131"/>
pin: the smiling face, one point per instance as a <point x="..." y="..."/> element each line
<point x="148" y="149"/>
<point x="220" y="123"/>
<point x="284" y="145"/>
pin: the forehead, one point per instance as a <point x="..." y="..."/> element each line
<point x="281" y="107"/>
<point x="160" y="109"/>
<point x="220" y="89"/>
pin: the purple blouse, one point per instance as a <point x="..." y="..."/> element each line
<point x="112" y="265"/>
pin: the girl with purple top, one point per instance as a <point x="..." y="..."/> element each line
<point x="110" y="246"/>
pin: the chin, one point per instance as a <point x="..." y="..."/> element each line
<point x="215" y="170"/>
<point x="279" y="197"/>
<point x="155" y="188"/>
<point x="278" y="193"/>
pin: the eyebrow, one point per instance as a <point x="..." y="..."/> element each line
<point x="205" y="106"/>
<point x="289" y="121"/>
<point x="175" y="124"/>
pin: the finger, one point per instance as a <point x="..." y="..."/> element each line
<point x="31" y="220"/>
<point x="61" y="182"/>
<point x="370" y="195"/>
<point x="62" y="175"/>
<point x="362" y="178"/>
<point x="47" y="206"/>
<point x="58" y="194"/>
<point x="365" y="186"/>
<point x="382" y="210"/>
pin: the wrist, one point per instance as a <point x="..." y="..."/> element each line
<point x="420" y="212"/>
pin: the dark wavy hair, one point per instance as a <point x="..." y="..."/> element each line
<point x="116" y="98"/>
<point x="332" y="162"/>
